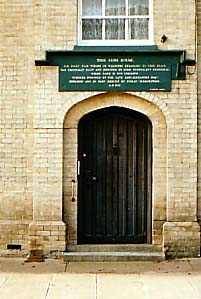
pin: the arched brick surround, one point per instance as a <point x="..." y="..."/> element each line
<point x="149" y="107"/>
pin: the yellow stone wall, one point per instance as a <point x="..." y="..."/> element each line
<point x="38" y="160"/>
<point x="199" y="103"/>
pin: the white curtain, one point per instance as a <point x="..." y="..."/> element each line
<point x="91" y="29"/>
<point x="115" y="29"/>
<point x="91" y="8"/>
<point x="138" y="7"/>
<point x="115" y="7"/>
<point x="138" y="29"/>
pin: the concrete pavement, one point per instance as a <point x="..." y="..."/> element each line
<point x="54" y="279"/>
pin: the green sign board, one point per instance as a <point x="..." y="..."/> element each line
<point x="113" y="73"/>
<point x="118" y="68"/>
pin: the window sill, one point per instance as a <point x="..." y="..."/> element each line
<point x="115" y="48"/>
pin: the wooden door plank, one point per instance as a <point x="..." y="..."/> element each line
<point x="132" y="214"/>
<point x="122" y="177"/>
<point x="140" y="228"/>
<point x="88" y="191"/>
<point x="109" y="177"/>
<point x="115" y="177"/>
<point x="99" y="177"/>
<point x="149" y="184"/>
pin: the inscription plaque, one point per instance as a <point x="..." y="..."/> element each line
<point x="114" y="73"/>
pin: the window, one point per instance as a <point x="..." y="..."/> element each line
<point x="111" y="22"/>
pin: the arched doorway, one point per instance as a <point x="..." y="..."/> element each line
<point x="114" y="177"/>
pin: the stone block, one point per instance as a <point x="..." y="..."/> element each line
<point x="181" y="239"/>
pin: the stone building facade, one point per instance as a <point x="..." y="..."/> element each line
<point x="39" y="129"/>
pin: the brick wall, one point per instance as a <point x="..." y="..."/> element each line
<point x="35" y="158"/>
<point x="199" y="103"/>
<point x="16" y="124"/>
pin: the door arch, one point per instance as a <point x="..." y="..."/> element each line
<point x="114" y="181"/>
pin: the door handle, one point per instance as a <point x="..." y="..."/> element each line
<point x="78" y="167"/>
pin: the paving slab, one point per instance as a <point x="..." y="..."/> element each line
<point x="194" y="280"/>
<point x="19" y="265"/>
<point x="113" y="286"/>
<point x="3" y="278"/>
<point x="169" y="286"/>
<point x="53" y="279"/>
<point x="21" y="286"/>
<point x="195" y="264"/>
<point x="130" y="267"/>
<point x="73" y="286"/>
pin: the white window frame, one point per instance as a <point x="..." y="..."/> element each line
<point x="124" y="42"/>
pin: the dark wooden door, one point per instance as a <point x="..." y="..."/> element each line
<point x="114" y="183"/>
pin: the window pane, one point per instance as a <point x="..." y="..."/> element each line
<point x="115" y="29"/>
<point x="138" y="29"/>
<point x="91" y="29"/>
<point x="91" y="7"/>
<point x="115" y="8"/>
<point x="138" y="7"/>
